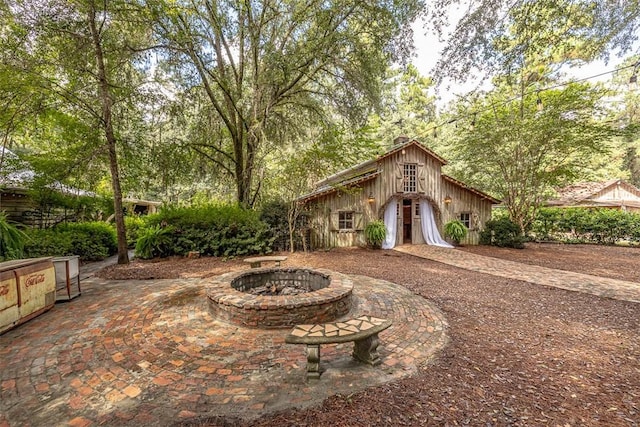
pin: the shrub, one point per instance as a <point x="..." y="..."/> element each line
<point x="455" y="230"/>
<point x="375" y="233"/>
<point x="276" y="215"/>
<point x="92" y="241"/>
<point x="214" y="230"/>
<point x="47" y="242"/>
<point x="134" y="226"/>
<point x="101" y="234"/>
<point x="11" y="239"/>
<point x="502" y="232"/>
<point x="546" y="224"/>
<point x="580" y="225"/>
<point x="154" y="242"/>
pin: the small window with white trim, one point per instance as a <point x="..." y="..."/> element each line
<point x="410" y="178"/>
<point x="345" y="221"/>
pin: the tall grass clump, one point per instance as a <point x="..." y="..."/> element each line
<point x="375" y="233"/>
<point x="12" y="240"/>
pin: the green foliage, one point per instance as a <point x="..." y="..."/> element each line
<point x="275" y="215"/>
<point x="48" y="242"/>
<point x="155" y="242"/>
<point x="134" y="225"/>
<point x="319" y="61"/>
<point x="497" y="34"/>
<point x="520" y="154"/>
<point x="409" y="107"/>
<point x="93" y="241"/>
<point x="503" y="233"/>
<point x="455" y="230"/>
<point x="375" y="233"/>
<point x="12" y="240"/>
<point x="546" y="224"/>
<point x="580" y="225"/>
<point x="212" y="229"/>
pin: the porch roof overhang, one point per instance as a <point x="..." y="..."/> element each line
<point x="141" y="202"/>
<point x="328" y="189"/>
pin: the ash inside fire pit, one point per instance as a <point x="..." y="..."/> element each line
<point x="272" y="289"/>
<point x="280" y="282"/>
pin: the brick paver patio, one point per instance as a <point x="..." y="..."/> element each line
<point x="150" y="353"/>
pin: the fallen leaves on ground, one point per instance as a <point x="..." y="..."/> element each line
<point x="519" y="354"/>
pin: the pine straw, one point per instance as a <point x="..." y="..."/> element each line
<point x="519" y="354"/>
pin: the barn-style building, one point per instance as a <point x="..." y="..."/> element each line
<point x="406" y="188"/>
<point x="612" y="194"/>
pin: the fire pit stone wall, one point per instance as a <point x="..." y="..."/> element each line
<point x="230" y="301"/>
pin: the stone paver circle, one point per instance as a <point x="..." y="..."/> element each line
<point x="151" y="352"/>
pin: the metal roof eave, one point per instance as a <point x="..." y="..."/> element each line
<point x="469" y="188"/>
<point x="333" y="188"/>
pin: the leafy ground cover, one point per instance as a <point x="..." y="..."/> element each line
<point x="519" y="354"/>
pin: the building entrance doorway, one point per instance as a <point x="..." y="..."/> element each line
<point x="406" y="221"/>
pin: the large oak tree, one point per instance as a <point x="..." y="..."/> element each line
<point x="261" y="63"/>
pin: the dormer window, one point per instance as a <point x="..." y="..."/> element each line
<point x="410" y="178"/>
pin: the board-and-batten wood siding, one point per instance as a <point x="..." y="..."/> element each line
<point x="465" y="201"/>
<point x="324" y="211"/>
<point x="14" y="204"/>
<point x="21" y="208"/>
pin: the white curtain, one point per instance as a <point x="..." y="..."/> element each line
<point x="429" y="228"/>
<point x="391" y="224"/>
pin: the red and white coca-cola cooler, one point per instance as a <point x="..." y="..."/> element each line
<point x="27" y="289"/>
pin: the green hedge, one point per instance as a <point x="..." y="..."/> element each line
<point x="502" y="232"/>
<point x="134" y="227"/>
<point x="581" y="225"/>
<point x="275" y="215"/>
<point x="93" y="241"/>
<point x="213" y="230"/>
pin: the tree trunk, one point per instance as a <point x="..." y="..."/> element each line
<point x="107" y="103"/>
<point x="245" y="161"/>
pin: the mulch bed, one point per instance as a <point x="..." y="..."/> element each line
<point x="520" y="354"/>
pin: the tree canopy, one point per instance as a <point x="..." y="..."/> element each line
<point x="493" y="34"/>
<point x="253" y="101"/>
<point x="520" y="146"/>
<point x="264" y="65"/>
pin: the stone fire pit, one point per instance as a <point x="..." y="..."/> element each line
<point x="280" y="297"/>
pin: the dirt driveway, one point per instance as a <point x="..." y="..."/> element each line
<point x="520" y="354"/>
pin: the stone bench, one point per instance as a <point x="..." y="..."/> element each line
<point x="363" y="331"/>
<point x="257" y="261"/>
